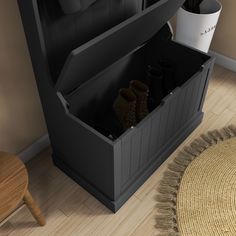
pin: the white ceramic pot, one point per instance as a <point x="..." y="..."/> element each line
<point x="197" y="30"/>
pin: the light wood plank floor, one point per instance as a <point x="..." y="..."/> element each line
<point x="70" y="210"/>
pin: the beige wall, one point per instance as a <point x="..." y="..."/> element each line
<point x="224" y="41"/>
<point x="21" y="119"/>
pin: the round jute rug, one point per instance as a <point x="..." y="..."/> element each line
<point x="197" y="195"/>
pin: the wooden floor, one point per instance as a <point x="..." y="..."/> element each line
<point x="70" y="210"/>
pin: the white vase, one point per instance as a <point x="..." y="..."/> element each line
<point x="197" y="30"/>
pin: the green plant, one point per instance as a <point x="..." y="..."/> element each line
<point x="193" y="5"/>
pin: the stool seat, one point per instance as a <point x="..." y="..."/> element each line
<point x="14" y="187"/>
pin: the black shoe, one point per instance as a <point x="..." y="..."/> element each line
<point x="168" y="69"/>
<point x="109" y="126"/>
<point x="155" y="81"/>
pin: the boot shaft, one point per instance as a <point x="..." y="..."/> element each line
<point x="125" y="108"/>
<point x="155" y="79"/>
<point x="169" y="75"/>
<point x="141" y="91"/>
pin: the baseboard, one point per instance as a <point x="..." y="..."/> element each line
<point x="224" y="61"/>
<point x="34" y="148"/>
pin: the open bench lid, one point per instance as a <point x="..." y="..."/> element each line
<point x="100" y="52"/>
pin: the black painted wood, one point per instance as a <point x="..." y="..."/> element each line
<point x="65" y="32"/>
<point x="108" y="42"/>
<point x="113" y="170"/>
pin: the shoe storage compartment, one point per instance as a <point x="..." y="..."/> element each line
<point x="101" y="91"/>
<point x="86" y="87"/>
<point x="138" y="151"/>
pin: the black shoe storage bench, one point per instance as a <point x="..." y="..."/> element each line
<point x="82" y="60"/>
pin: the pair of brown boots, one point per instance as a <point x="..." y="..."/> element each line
<point x="131" y="105"/>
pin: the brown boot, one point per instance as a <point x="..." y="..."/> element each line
<point x="141" y="91"/>
<point x="125" y="108"/>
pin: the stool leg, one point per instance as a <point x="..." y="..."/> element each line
<point x="34" y="209"/>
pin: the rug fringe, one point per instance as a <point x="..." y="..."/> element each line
<point x="179" y="160"/>
<point x="185" y="155"/>
<point x="197" y="146"/>
<point x="176" y="168"/>
<point x="167" y="212"/>
<point x="171" y="174"/>
<point x="170" y="183"/>
<point x="166" y="218"/>
<point x="201" y="143"/>
<point x="166" y="224"/>
<point x="230" y="132"/>
<point x="207" y="139"/>
<point x="164" y="189"/>
<point x="233" y="129"/>
<point x="190" y="150"/>
<point x="165" y="205"/>
<point x="168" y="234"/>
<point x="167" y="198"/>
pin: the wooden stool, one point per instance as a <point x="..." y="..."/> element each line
<point x="14" y="189"/>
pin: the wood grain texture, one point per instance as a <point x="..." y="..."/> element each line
<point x="14" y="189"/>
<point x="35" y="211"/>
<point x="70" y="210"/>
<point x="13" y="183"/>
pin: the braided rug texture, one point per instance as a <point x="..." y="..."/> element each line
<point x="197" y="194"/>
